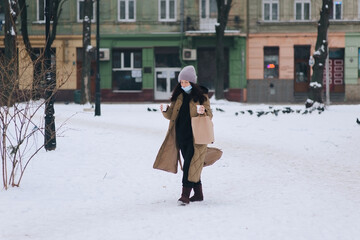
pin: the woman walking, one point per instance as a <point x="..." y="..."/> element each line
<point x="188" y="100"/>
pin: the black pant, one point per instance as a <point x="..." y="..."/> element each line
<point x="187" y="151"/>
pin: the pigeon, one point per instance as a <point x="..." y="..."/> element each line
<point x="275" y="112"/>
<point x="236" y="113"/>
<point x="288" y="110"/>
<point x="357" y="121"/>
<point x="220" y="110"/>
<point x="305" y="112"/>
<point x="149" y="109"/>
<point x="321" y="109"/>
<point x="250" y="111"/>
<point x="260" y="113"/>
<point x="154" y="109"/>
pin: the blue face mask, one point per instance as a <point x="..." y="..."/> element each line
<point x="187" y="89"/>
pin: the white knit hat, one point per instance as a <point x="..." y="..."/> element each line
<point x="188" y="73"/>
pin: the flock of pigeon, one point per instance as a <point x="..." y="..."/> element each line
<point x="272" y="110"/>
<point x="285" y="110"/>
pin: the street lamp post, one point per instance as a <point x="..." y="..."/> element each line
<point x="50" y="135"/>
<point x="97" y="85"/>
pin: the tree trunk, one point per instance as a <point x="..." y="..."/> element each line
<point x="8" y="81"/>
<point x="320" y="55"/>
<point x="223" y="14"/>
<point x="86" y="65"/>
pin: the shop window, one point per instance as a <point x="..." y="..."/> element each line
<point x="80" y="11"/>
<point x="271" y="10"/>
<point x="271" y="62"/>
<point x="167" y="10"/>
<point x="126" y="10"/>
<point x="302" y="10"/>
<point x="336" y="13"/>
<point x="127" y="69"/>
<point x="302" y="68"/>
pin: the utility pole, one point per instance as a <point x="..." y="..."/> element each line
<point x="50" y="135"/>
<point x="327" y="102"/>
<point x="97" y="85"/>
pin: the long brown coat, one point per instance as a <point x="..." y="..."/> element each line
<point x="168" y="156"/>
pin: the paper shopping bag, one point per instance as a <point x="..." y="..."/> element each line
<point x="203" y="129"/>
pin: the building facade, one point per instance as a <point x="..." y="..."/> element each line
<point x="145" y="43"/>
<point x="282" y="37"/>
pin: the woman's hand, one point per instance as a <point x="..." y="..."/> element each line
<point x="164" y="107"/>
<point x="200" y="109"/>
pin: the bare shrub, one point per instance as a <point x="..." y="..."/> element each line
<point x="22" y="127"/>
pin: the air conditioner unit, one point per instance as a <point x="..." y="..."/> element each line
<point x="104" y="54"/>
<point x="189" y="54"/>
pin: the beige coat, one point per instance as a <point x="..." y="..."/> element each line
<point x="168" y="156"/>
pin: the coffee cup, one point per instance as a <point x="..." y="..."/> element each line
<point x="164" y="107"/>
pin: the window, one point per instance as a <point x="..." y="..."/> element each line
<point x="208" y="9"/>
<point x="167" y="57"/>
<point x="302" y="10"/>
<point x="127" y="69"/>
<point x="41" y="10"/>
<point x="80" y="11"/>
<point x="271" y="62"/>
<point x="271" y="10"/>
<point x="359" y="64"/>
<point x="167" y="10"/>
<point x="2" y="15"/>
<point x="126" y="10"/>
<point x="336" y="13"/>
<point x="2" y="56"/>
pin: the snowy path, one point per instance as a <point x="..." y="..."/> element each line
<point x="288" y="177"/>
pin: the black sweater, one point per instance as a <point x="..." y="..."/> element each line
<point x="184" y="133"/>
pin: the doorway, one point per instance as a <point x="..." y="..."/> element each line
<point x="336" y="71"/>
<point x="165" y="81"/>
<point x="207" y="68"/>
<point x="302" y="69"/>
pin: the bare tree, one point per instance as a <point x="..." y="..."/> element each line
<point x="36" y="58"/>
<point x="87" y="49"/>
<point x="223" y="7"/>
<point x="320" y="55"/>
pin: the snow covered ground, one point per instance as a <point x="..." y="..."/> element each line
<point x="293" y="176"/>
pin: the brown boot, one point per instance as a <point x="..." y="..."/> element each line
<point x="185" y="196"/>
<point x="198" y="194"/>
